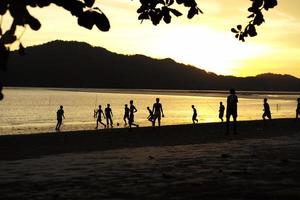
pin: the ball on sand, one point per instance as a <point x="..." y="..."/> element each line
<point x="118" y="124"/>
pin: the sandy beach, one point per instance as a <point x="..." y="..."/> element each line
<point x="171" y="162"/>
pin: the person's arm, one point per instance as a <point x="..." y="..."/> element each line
<point x="135" y="110"/>
<point x="102" y="114"/>
<point x="63" y="114"/>
<point x="111" y="113"/>
<point x="162" y="112"/>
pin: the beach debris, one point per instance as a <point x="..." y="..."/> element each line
<point x="225" y="155"/>
<point x="151" y="157"/>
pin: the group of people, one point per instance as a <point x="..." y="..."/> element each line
<point x="156" y="113"/>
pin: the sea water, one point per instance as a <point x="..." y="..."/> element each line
<point x="33" y="110"/>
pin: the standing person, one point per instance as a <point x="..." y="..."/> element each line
<point x="59" y="116"/>
<point x="157" y="112"/>
<point x="267" y="111"/>
<point x="108" y="115"/>
<point x="98" y="114"/>
<point x="132" y="110"/>
<point x="194" y="118"/>
<point x="231" y="110"/>
<point x="150" y="116"/>
<point x="126" y="114"/>
<point x="221" y="111"/>
<point x="298" y="108"/>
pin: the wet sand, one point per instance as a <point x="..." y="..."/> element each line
<point x="173" y="162"/>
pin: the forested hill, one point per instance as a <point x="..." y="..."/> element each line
<point x="79" y="65"/>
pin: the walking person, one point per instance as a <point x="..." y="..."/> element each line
<point x="126" y="115"/>
<point x="98" y="114"/>
<point x="267" y="111"/>
<point x="132" y="110"/>
<point x="221" y="111"/>
<point x="231" y="110"/>
<point x="108" y="115"/>
<point x="59" y="116"/>
<point x="194" y="117"/>
<point x="298" y="108"/>
<point x="157" y="112"/>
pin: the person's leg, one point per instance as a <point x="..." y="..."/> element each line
<point x="227" y="123"/>
<point x="158" y="121"/>
<point x="111" y="122"/>
<point x="234" y="125"/>
<point x="107" y="121"/>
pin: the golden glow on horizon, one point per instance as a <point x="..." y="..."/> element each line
<point x="205" y="41"/>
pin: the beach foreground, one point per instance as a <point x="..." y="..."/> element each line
<point x="173" y="162"/>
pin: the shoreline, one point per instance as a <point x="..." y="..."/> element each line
<point x="15" y="147"/>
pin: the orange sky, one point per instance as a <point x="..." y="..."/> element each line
<point x="205" y="41"/>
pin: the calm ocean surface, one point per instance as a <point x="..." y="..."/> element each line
<point x="31" y="110"/>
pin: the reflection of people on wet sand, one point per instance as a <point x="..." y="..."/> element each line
<point x="267" y="111"/>
<point x="298" y="108"/>
<point x="98" y="114"/>
<point x="108" y="115"/>
<point x="59" y="115"/>
<point x="157" y="112"/>
<point x="194" y="118"/>
<point x="231" y="110"/>
<point x="150" y="116"/>
<point x="126" y="114"/>
<point x="221" y="111"/>
<point x="132" y="110"/>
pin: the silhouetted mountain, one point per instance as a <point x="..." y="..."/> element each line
<point x="79" y="65"/>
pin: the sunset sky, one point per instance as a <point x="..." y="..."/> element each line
<point x="205" y="41"/>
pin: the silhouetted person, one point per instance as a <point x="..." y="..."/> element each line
<point x="59" y="116"/>
<point x="157" y="112"/>
<point x="221" y="111"/>
<point x="126" y="114"/>
<point x="231" y="110"/>
<point x="298" y="108"/>
<point x="108" y="115"/>
<point x="194" y="117"/>
<point x="267" y="111"/>
<point x="132" y="110"/>
<point x="150" y="116"/>
<point x="98" y="114"/>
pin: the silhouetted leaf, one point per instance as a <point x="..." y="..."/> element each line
<point x="0" y="31"/>
<point x="257" y="4"/>
<point x="8" y="37"/>
<point x="3" y="6"/>
<point x="270" y="4"/>
<point x="259" y="19"/>
<point x="236" y="35"/>
<point x="170" y="2"/>
<point x="200" y="10"/>
<point x="252" y="15"/>
<point x="234" y="30"/>
<point x="239" y="27"/>
<point x="251" y="30"/>
<point x="21" y="50"/>
<point x="175" y="12"/>
<point x="33" y="23"/>
<point x="86" y="19"/>
<point x="143" y="16"/>
<point x="101" y="21"/>
<point x="89" y="3"/>
<point x="192" y="12"/>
